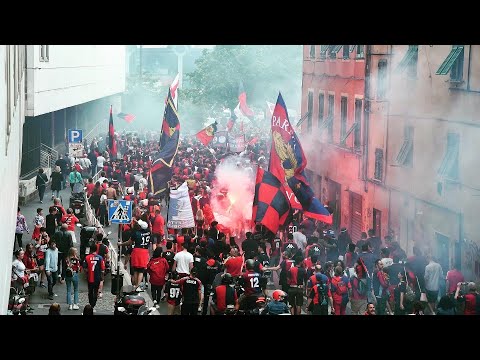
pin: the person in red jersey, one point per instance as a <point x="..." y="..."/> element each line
<point x="158" y="270"/>
<point x="158" y="229"/>
<point x="296" y="276"/>
<point x="339" y="287"/>
<point x="471" y="299"/>
<point x="320" y="295"/>
<point x="234" y="263"/>
<point x="140" y="255"/>
<point x="224" y="296"/>
<point x="95" y="267"/>
<point x="454" y="276"/>
<point x="252" y="285"/>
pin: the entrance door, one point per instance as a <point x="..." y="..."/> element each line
<point x="443" y="251"/>
<point x="377" y="222"/>
<point x="355" y="216"/>
<point x="334" y="197"/>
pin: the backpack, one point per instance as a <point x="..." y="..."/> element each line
<point x="362" y="286"/>
<point x="409" y="293"/>
<point x="340" y="288"/>
<point x="322" y="293"/>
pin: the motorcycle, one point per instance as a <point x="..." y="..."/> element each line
<point x="129" y="302"/>
<point x="17" y="302"/>
<point x="77" y="204"/>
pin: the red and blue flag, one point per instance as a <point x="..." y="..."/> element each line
<point x="288" y="162"/>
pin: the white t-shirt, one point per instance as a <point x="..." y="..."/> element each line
<point x="19" y="269"/>
<point x="101" y="179"/>
<point x="300" y="240"/>
<point x="100" y="161"/>
<point x="183" y="259"/>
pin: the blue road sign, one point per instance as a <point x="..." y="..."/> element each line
<point x="75" y="136"/>
<point x="120" y="211"/>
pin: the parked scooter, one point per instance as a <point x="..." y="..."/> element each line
<point x="17" y="303"/>
<point x="129" y="302"/>
<point x="77" y="204"/>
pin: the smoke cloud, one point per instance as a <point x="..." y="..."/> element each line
<point x="233" y="191"/>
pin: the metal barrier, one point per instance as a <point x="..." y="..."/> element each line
<point x="93" y="221"/>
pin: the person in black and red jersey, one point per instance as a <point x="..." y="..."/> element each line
<point x="102" y="250"/>
<point x="192" y="293"/>
<point x="140" y="255"/>
<point x="296" y="276"/>
<point x="95" y="267"/>
<point x="224" y="296"/>
<point x="173" y="292"/>
<point x="252" y="285"/>
<point x="285" y="265"/>
<point x="319" y="295"/>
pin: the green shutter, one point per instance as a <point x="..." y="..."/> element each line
<point x="450" y="60"/>
<point x="352" y="48"/>
<point x="335" y="48"/>
<point x="412" y="51"/>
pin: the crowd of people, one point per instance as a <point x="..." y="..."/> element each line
<point x="214" y="269"/>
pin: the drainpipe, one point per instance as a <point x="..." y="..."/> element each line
<point x="366" y="116"/>
<point x="469" y="62"/>
<point x="460" y="232"/>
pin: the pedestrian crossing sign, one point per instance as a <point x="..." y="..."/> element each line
<point x="120" y="211"/>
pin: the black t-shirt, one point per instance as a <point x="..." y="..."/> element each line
<point x="314" y="250"/>
<point x="393" y="271"/>
<point x="173" y="292"/>
<point x="169" y="255"/>
<point x="402" y="287"/>
<point x="190" y="288"/>
<point x="200" y="264"/>
<point x="141" y="239"/>
<point x="50" y="224"/>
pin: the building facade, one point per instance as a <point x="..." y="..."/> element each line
<point x="409" y="168"/>
<point x="12" y="115"/>
<point x="69" y="87"/>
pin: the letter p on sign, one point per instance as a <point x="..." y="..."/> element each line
<point x="75" y="136"/>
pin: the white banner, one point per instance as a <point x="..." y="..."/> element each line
<point x="180" y="213"/>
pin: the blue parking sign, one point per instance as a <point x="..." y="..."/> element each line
<point x="120" y="211"/>
<point x="75" y="136"/>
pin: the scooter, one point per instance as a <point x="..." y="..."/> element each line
<point x="17" y="303"/>
<point x="77" y="204"/>
<point x="129" y="302"/>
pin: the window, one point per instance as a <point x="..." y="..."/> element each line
<point x="323" y="52"/>
<point x="346" y="52"/>
<point x="358" y="119"/>
<point x="409" y="62"/>
<point x="352" y="48"/>
<point x="405" y="155"/>
<point x="334" y="49"/>
<point x="453" y="62"/>
<point x="360" y="54"/>
<point x="378" y="164"/>
<point x="382" y="79"/>
<point x="312" y="51"/>
<point x="331" y="114"/>
<point x="310" y="111"/>
<point x="343" y="119"/>
<point x="321" y="109"/>
<point x="449" y="166"/>
<point x="44" y="53"/>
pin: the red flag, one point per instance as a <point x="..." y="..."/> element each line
<point x="206" y="135"/>
<point x="112" y="142"/>
<point x="288" y="161"/>
<point x="242" y="99"/>
<point x="270" y="204"/>
<point x="127" y="117"/>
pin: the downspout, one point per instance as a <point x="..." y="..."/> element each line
<point x="460" y="234"/>
<point x="468" y="71"/>
<point x="390" y="52"/>
<point x="366" y="117"/>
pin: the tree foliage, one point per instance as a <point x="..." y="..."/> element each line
<point x="264" y="69"/>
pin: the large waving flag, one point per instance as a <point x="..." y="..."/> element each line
<point x="180" y="213"/>
<point x="127" y="117"/>
<point x="270" y="204"/>
<point x="288" y="161"/>
<point x="242" y="100"/>
<point x="170" y="122"/>
<point x="112" y="142"/>
<point x="206" y="135"/>
<point x="161" y="171"/>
